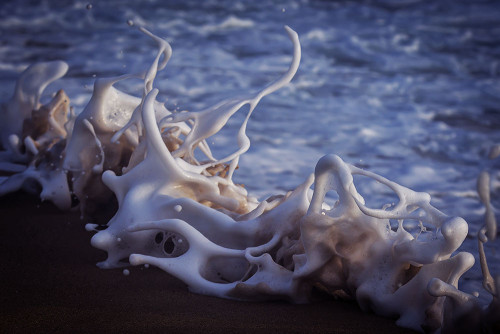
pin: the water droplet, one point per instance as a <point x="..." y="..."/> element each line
<point x="126" y="272"/>
<point x="130" y="22"/>
<point x="89" y="6"/>
<point x="178" y="208"/>
<point x="90" y="227"/>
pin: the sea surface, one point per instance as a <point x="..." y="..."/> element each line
<point x="406" y="89"/>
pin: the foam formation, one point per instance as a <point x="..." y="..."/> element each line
<point x="186" y="216"/>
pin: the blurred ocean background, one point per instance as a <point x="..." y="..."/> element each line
<point x="407" y="89"/>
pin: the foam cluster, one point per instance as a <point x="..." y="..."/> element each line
<point x="179" y="209"/>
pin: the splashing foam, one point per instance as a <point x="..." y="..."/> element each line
<point x="32" y="136"/>
<point x="188" y="218"/>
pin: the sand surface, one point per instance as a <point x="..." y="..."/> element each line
<point x="50" y="283"/>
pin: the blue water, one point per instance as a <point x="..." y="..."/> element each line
<point x="407" y="89"/>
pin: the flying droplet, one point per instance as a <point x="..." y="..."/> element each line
<point x="90" y="227"/>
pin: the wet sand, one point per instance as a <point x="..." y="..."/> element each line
<point x="50" y="283"/>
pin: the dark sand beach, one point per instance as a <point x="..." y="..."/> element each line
<point x="50" y="283"/>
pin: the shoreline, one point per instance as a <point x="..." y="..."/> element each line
<point x="51" y="284"/>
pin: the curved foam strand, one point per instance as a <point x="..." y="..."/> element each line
<point x="30" y="146"/>
<point x="164" y="49"/>
<point x="408" y="205"/>
<point x="29" y="88"/>
<point x="488" y="281"/>
<point x="210" y="121"/>
<point x="331" y="173"/>
<point x="98" y="168"/>
<point x="243" y="140"/>
<point x="483" y="190"/>
<point x="490" y="315"/>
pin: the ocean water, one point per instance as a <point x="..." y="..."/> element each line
<point x="407" y="89"/>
